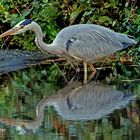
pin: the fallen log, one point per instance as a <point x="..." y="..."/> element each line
<point x="13" y="60"/>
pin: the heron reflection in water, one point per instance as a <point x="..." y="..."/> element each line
<point x="77" y="102"/>
<point x="87" y="43"/>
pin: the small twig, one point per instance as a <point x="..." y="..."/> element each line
<point x="16" y="8"/>
<point x="102" y="68"/>
<point x="53" y="60"/>
<point x="134" y="65"/>
<point x="4" y="42"/>
<point x="99" y="70"/>
<point x="133" y="80"/>
<point x="60" y="72"/>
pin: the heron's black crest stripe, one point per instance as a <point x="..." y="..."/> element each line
<point x="69" y="43"/>
<point x="26" y="22"/>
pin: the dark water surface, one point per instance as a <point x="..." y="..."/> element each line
<point x="75" y="112"/>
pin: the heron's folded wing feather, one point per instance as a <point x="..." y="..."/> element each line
<point x="92" y="45"/>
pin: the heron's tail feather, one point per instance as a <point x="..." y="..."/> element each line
<point x="127" y="40"/>
<point x="126" y="45"/>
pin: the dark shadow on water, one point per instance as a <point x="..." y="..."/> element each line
<point x="83" y="112"/>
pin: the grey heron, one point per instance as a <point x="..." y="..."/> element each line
<point x="87" y="43"/>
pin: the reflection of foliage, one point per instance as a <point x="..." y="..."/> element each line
<point x="27" y="88"/>
<point x="31" y="81"/>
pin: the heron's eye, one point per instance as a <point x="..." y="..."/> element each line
<point x="21" y="26"/>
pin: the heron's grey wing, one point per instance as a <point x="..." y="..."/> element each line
<point x="95" y="43"/>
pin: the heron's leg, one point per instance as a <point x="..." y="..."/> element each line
<point x="85" y="72"/>
<point x="77" y="72"/>
<point x="93" y="71"/>
<point x="75" y="78"/>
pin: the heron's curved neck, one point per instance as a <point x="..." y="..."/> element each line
<point x="39" y="40"/>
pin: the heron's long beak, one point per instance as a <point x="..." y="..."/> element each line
<point x="10" y="32"/>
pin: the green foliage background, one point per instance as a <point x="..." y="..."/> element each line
<point x="53" y="15"/>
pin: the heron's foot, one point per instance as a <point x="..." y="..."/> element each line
<point x="93" y="71"/>
<point x="85" y="81"/>
<point x="85" y="73"/>
<point x="75" y="78"/>
<point x="77" y="70"/>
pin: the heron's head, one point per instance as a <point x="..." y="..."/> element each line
<point x="21" y="27"/>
